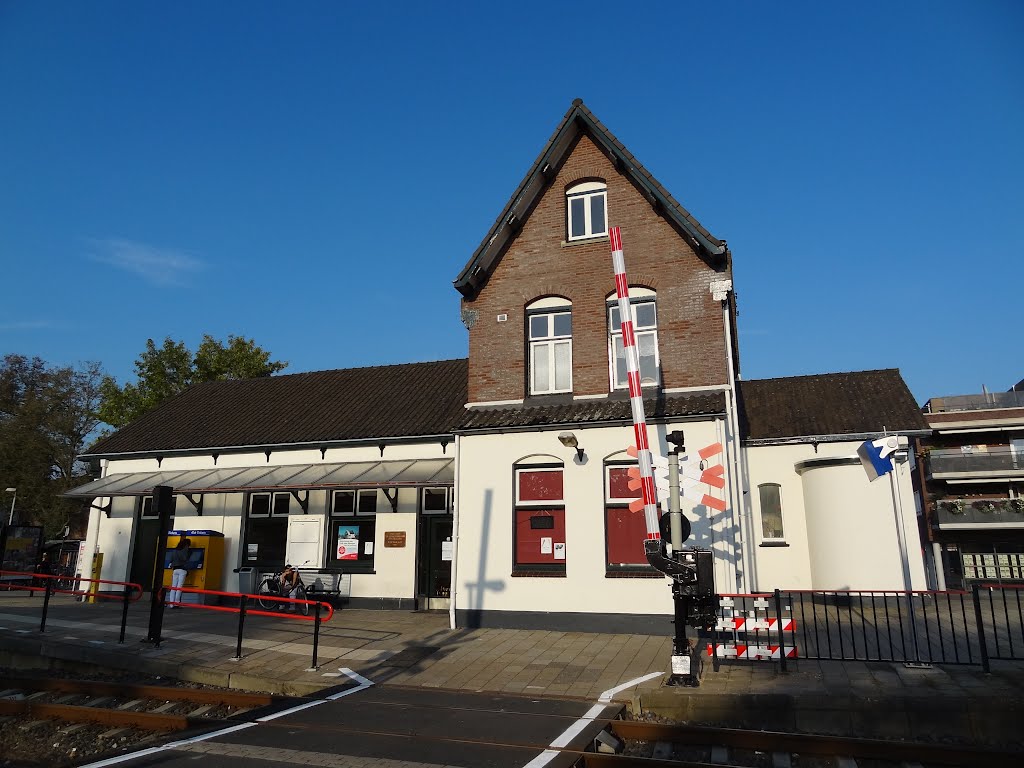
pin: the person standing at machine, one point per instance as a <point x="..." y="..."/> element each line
<point x="179" y="565"/>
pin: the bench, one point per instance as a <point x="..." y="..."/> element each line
<point x="336" y="587"/>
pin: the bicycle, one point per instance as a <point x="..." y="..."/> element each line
<point x="270" y="598"/>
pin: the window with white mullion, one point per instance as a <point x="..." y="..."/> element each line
<point x="645" y="330"/>
<point x="587" y="210"/>
<point x="550" y="352"/>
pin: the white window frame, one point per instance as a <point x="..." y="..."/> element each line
<point x="782" y="514"/>
<point x="586" y="191"/>
<point x="358" y="495"/>
<point x="520" y="503"/>
<point x="447" y="501"/>
<point x="547" y="345"/>
<point x="637" y="296"/>
<point x="616" y="500"/>
<point x="272" y="507"/>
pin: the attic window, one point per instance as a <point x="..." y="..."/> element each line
<point x="586" y="207"/>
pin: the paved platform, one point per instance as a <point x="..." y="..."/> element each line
<point x="419" y="650"/>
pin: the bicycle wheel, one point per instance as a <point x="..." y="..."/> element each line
<point x="300" y="594"/>
<point x="266" y="595"/>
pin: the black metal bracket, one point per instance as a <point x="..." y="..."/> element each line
<point x="105" y="508"/>
<point x="392" y="499"/>
<point x="303" y="502"/>
<point x="197" y="504"/>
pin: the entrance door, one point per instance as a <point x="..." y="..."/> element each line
<point x="436" y="551"/>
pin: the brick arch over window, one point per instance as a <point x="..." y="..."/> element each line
<point x="545" y="291"/>
<point x="584" y="174"/>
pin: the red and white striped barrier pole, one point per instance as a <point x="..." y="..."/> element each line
<point x="636" y="400"/>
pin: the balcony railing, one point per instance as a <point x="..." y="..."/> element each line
<point x="979" y="511"/>
<point x="984" y="402"/>
<point x="993" y="459"/>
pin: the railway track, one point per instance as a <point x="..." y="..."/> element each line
<point x="54" y="722"/>
<point x="670" y="746"/>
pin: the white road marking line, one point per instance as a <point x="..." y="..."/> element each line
<point x="567" y="735"/>
<point x="607" y="695"/>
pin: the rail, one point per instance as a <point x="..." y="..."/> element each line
<point x="243" y="610"/>
<point x="919" y="627"/>
<point x="130" y="591"/>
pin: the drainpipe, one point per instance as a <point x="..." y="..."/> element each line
<point x="745" y="580"/>
<point x="455" y="534"/>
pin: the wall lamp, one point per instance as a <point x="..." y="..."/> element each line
<point x="568" y="439"/>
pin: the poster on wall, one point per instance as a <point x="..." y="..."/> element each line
<point x="560" y="550"/>
<point x="348" y="542"/>
<point x="545" y="545"/>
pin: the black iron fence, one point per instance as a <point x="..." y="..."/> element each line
<point x="956" y="627"/>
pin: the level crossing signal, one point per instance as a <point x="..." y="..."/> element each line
<point x="694" y="471"/>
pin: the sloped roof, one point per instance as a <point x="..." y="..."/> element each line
<point x="590" y="411"/>
<point x="389" y="401"/>
<point x="577" y="120"/>
<point x="858" y="403"/>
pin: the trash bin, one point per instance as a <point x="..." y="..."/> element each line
<point x="246" y="580"/>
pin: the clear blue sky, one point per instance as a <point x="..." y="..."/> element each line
<point x="315" y="175"/>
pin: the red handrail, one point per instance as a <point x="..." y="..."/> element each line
<point x="251" y="611"/>
<point x="31" y="575"/>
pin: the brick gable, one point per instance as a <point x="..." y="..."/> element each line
<point x="539" y="263"/>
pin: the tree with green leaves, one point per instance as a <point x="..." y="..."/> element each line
<point x="47" y="415"/>
<point x="172" y="368"/>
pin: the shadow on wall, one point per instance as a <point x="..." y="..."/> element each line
<point x="477" y="590"/>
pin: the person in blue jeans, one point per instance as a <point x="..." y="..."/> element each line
<point x="179" y="570"/>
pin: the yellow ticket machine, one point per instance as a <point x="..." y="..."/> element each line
<point x="205" y="563"/>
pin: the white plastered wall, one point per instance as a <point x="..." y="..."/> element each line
<point x="840" y="527"/>
<point x="484" y="581"/>
<point x="395" y="567"/>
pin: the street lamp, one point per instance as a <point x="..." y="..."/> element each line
<point x="10" y="520"/>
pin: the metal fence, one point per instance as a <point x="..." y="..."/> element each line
<point x="954" y="627"/>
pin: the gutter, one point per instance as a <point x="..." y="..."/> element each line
<point x="834" y="438"/>
<point x="447" y="437"/>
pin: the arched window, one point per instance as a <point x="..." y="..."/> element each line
<point x="539" y="519"/>
<point x="770" y="495"/>
<point x="643" y="303"/>
<point x="587" y="204"/>
<point x="549" y="333"/>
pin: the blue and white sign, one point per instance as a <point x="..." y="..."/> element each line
<point x="877" y="455"/>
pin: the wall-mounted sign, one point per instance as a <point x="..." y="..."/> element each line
<point x="394" y="538"/>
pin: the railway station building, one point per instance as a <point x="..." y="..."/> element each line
<point x="495" y="486"/>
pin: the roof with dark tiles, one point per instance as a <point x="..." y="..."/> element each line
<point x="326" y="406"/>
<point x="426" y="399"/>
<point x="857" y="403"/>
<point x="613" y="409"/>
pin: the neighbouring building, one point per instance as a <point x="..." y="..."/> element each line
<point x="971" y="488"/>
<point x="495" y="486"/>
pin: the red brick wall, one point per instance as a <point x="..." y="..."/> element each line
<point x="537" y="264"/>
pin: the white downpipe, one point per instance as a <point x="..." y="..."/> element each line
<point x="455" y="536"/>
<point x="940" y="571"/>
<point x="745" y="580"/>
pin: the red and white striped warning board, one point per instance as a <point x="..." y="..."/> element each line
<point x="741" y="624"/>
<point x="755" y="652"/>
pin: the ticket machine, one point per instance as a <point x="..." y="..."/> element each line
<point x="205" y="563"/>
